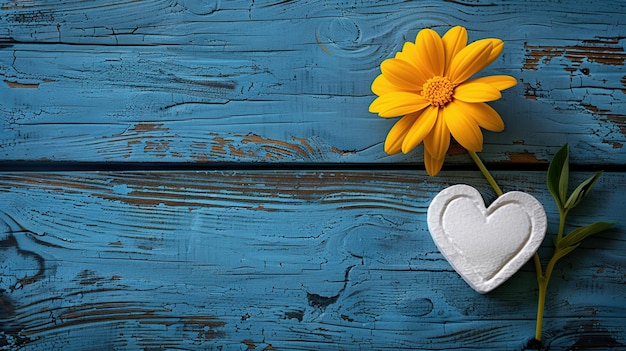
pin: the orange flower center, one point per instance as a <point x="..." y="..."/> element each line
<point x="438" y="90"/>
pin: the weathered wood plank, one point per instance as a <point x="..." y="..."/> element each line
<point x="244" y="81"/>
<point x="280" y="260"/>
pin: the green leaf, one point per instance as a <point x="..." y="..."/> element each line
<point x="581" y="191"/>
<point x="558" y="176"/>
<point x="579" y="234"/>
<point x="561" y="252"/>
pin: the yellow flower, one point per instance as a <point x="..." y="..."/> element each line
<point x="427" y="83"/>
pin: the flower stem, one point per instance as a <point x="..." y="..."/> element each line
<point x="541" y="279"/>
<point x="485" y="173"/>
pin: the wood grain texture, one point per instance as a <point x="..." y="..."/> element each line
<point x="286" y="259"/>
<point x="276" y="260"/>
<point x="289" y="81"/>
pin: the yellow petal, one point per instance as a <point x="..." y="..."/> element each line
<point x="395" y="137"/>
<point x="420" y="129"/>
<point x="453" y="41"/>
<point x="463" y="128"/>
<point x="469" y="60"/>
<point x="402" y="74"/>
<point x="496" y="48"/>
<point x="430" y="52"/>
<point x="437" y="142"/>
<point x="398" y="103"/>
<point x="498" y="82"/>
<point x="417" y="70"/>
<point x="433" y="165"/>
<point x="408" y="53"/>
<point x="483" y="114"/>
<point x="476" y="92"/>
<point x="382" y="85"/>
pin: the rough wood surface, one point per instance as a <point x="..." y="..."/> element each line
<point x="329" y="253"/>
<point x="279" y="261"/>
<point x="289" y="81"/>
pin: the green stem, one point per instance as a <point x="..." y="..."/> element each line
<point x="485" y="173"/>
<point x="541" y="302"/>
<point x="543" y="289"/>
<point x="541" y="279"/>
<point x="544" y="280"/>
<point x="562" y="215"/>
<point x="537" y="265"/>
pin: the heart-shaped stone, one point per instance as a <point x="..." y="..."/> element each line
<point x="486" y="246"/>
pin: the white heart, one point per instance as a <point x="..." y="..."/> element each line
<point x="486" y="246"/>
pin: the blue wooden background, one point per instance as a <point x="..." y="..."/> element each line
<point x="205" y="175"/>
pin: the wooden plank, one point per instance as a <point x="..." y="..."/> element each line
<point x="243" y="81"/>
<point x="281" y="260"/>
